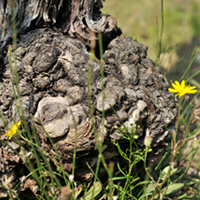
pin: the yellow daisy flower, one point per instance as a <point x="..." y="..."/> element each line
<point x="182" y="89"/>
<point x="13" y="130"/>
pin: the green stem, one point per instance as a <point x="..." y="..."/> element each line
<point x="161" y="32"/>
<point x="74" y="155"/>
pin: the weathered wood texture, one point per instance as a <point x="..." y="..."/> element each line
<point x="78" y="18"/>
<point x="52" y="68"/>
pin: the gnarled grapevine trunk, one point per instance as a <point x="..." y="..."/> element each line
<point x="78" y="18"/>
<point x="52" y="64"/>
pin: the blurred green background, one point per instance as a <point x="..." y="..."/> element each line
<point x="142" y="20"/>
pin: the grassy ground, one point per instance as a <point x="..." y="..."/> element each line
<point x="142" y="20"/>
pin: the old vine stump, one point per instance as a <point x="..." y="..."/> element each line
<point x="53" y="58"/>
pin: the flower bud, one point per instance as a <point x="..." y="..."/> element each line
<point x="136" y="137"/>
<point x="114" y="197"/>
<point x="147" y="139"/>
<point x="186" y="97"/>
<point x="195" y="143"/>
<point x="71" y="178"/>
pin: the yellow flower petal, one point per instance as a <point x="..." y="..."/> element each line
<point x="194" y="91"/>
<point x="13" y="130"/>
<point x="191" y="88"/>
<point x="172" y="90"/>
<point x="182" y="89"/>
<point x="183" y="84"/>
<point x="19" y="123"/>
<point x="176" y="85"/>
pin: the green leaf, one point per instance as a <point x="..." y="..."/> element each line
<point x="165" y="171"/>
<point x="121" y="152"/>
<point x="173" y="188"/>
<point x="97" y="189"/>
<point x="151" y="188"/>
<point x="167" y="190"/>
<point x="141" y="183"/>
<point x="118" y="178"/>
<point x="118" y="166"/>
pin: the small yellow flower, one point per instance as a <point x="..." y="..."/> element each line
<point x="182" y="89"/>
<point x="136" y="137"/>
<point x="13" y="130"/>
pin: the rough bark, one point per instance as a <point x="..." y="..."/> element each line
<point x="78" y="18"/>
<point x="52" y="64"/>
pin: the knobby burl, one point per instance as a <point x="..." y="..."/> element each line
<point x="53" y="76"/>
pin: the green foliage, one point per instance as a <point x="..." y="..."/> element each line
<point x="96" y="189"/>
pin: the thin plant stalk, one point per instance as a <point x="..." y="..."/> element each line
<point x="188" y="68"/>
<point x="74" y="155"/>
<point x="161" y="32"/>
